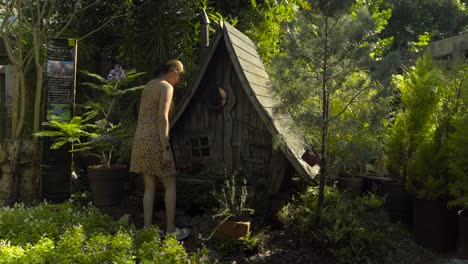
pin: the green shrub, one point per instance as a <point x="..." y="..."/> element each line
<point x="66" y="233"/>
<point x="428" y="170"/>
<point x="72" y="247"/>
<point x="420" y="89"/>
<point x="21" y="225"/>
<point x="356" y="231"/>
<point x="419" y="149"/>
<point x="457" y="161"/>
<point x="251" y="244"/>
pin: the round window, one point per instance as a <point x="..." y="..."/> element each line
<point x="217" y="98"/>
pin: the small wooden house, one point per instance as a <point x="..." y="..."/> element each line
<point x="227" y="117"/>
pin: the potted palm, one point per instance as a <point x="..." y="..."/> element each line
<point x="98" y="133"/>
<point x="234" y="214"/>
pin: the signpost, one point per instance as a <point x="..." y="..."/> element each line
<point x="60" y="86"/>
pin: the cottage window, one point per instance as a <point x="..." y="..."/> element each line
<point x="200" y="147"/>
<point x="217" y="98"/>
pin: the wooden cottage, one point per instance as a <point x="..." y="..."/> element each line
<point x="227" y="117"/>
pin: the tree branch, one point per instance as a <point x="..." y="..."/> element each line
<point x="112" y="18"/>
<point x="9" y="10"/>
<point x="73" y="14"/>
<point x="351" y="101"/>
<point x="49" y="16"/>
<point x="341" y="58"/>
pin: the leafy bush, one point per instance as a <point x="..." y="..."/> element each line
<point x="356" y="231"/>
<point x="21" y="225"/>
<point x="422" y="146"/>
<point x="66" y="233"/>
<point x="420" y="90"/>
<point x="458" y="145"/>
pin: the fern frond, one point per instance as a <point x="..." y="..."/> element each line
<point x="58" y="144"/>
<point x="120" y="92"/>
<point x="48" y="133"/>
<point x="94" y="75"/>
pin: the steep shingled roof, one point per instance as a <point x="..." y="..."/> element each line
<point x="256" y="84"/>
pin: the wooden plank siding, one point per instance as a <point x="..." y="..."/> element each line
<point x="242" y="132"/>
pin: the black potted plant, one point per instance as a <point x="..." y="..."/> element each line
<point x="428" y="180"/>
<point x="398" y="202"/>
<point x="98" y="133"/>
<point x="413" y="145"/>
<point x="429" y="105"/>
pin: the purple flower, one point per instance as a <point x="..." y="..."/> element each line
<point x="116" y="74"/>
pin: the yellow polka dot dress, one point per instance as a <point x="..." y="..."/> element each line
<point x="147" y="150"/>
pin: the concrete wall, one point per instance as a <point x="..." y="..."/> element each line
<point x="450" y="48"/>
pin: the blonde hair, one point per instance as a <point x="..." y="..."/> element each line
<point x="171" y="65"/>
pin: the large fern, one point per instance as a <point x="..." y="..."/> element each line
<point x="73" y="131"/>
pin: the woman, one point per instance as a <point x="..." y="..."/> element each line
<point x="151" y="152"/>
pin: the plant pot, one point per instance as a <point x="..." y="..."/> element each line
<point x="351" y="187"/>
<point x="234" y="229"/>
<point x="434" y="225"/>
<point x="107" y="184"/>
<point x="462" y="243"/>
<point x="311" y="157"/>
<point x="398" y="203"/>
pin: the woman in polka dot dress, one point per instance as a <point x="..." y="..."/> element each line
<point x="151" y="152"/>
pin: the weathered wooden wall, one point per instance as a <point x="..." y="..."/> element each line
<point x="238" y="137"/>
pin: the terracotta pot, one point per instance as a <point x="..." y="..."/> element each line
<point x="107" y="184"/>
<point x="462" y="244"/>
<point x="234" y="229"/>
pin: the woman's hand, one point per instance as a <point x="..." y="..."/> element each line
<point x="167" y="158"/>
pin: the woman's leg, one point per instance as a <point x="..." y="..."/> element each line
<point x="148" y="198"/>
<point x="169" y="183"/>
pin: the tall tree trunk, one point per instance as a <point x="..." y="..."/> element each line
<point x="15" y="103"/>
<point x="39" y="82"/>
<point x="23" y="103"/>
<point x="324" y="127"/>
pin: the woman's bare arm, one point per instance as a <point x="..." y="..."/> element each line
<point x="165" y="100"/>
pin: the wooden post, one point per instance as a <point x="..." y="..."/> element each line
<point x="205" y="29"/>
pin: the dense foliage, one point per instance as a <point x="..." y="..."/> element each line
<point x="419" y="148"/>
<point x="438" y="18"/>
<point x="356" y="231"/>
<point x="67" y="233"/>
<point x="458" y="140"/>
<point x="420" y="93"/>
<point x="325" y="84"/>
